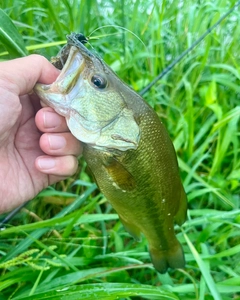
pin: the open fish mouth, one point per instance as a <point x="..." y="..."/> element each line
<point x="59" y="94"/>
<point x="71" y="60"/>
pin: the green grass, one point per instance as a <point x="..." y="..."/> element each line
<point x="68" y="242"/>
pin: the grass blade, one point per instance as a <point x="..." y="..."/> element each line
<point x="107" y="291"/>
<point x="22" y="246"/>
<point x="205" y="271"/>
<point x="10" y="37"/>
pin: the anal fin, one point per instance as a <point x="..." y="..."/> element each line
<point x="132" y="229"/>
<point x="181" y="215"/>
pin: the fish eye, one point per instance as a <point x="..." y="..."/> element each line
<point x="99" y="81"/>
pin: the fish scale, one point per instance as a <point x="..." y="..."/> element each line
<point x="126" y="147"/>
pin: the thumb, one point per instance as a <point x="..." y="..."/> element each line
<point x="20" y="75"/>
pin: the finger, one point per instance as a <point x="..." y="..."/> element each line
<point x="47" y="120"/>
<point x="26" y="72"/>
<point x="59" y="166"/>
<point x="60" y="144"/>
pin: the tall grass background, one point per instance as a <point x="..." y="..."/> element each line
<point x="68" y="242"/>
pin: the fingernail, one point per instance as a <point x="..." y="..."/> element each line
<point x="56" y="142"/>
<point x="51" y="120"/>
<point x="46" y="163"/>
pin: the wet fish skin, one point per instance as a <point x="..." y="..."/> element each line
<point x="127" y="148"/>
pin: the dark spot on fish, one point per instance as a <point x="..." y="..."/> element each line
<point x="81" y="38"/>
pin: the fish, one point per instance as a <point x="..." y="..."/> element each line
<point x="126" y="147"/>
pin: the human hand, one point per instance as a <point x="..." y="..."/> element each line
<point x="36" y="147"/>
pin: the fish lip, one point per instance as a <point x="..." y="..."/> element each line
<point x="74" y="58"/>
<point x="40" y="87"/>
<point x="56" y="94"/>
<point x="72" y="41"/>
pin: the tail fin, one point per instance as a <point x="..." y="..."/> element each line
<point x="169" y="258"/>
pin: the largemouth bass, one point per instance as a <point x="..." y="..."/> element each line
<point x="126" y="147"/>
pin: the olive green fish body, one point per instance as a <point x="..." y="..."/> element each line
<point x="126" y="147"/>
<point x="144" y="187"/>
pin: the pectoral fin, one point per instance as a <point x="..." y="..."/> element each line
<point x="119" y="175"/>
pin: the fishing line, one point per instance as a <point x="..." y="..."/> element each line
<point x="184" y="53"/>
<point x="119" y="27"/>
<point x="111" y="34"/>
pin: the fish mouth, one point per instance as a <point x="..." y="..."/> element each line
<point x="71" y="60"/>
<point x="58" y="95"/>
